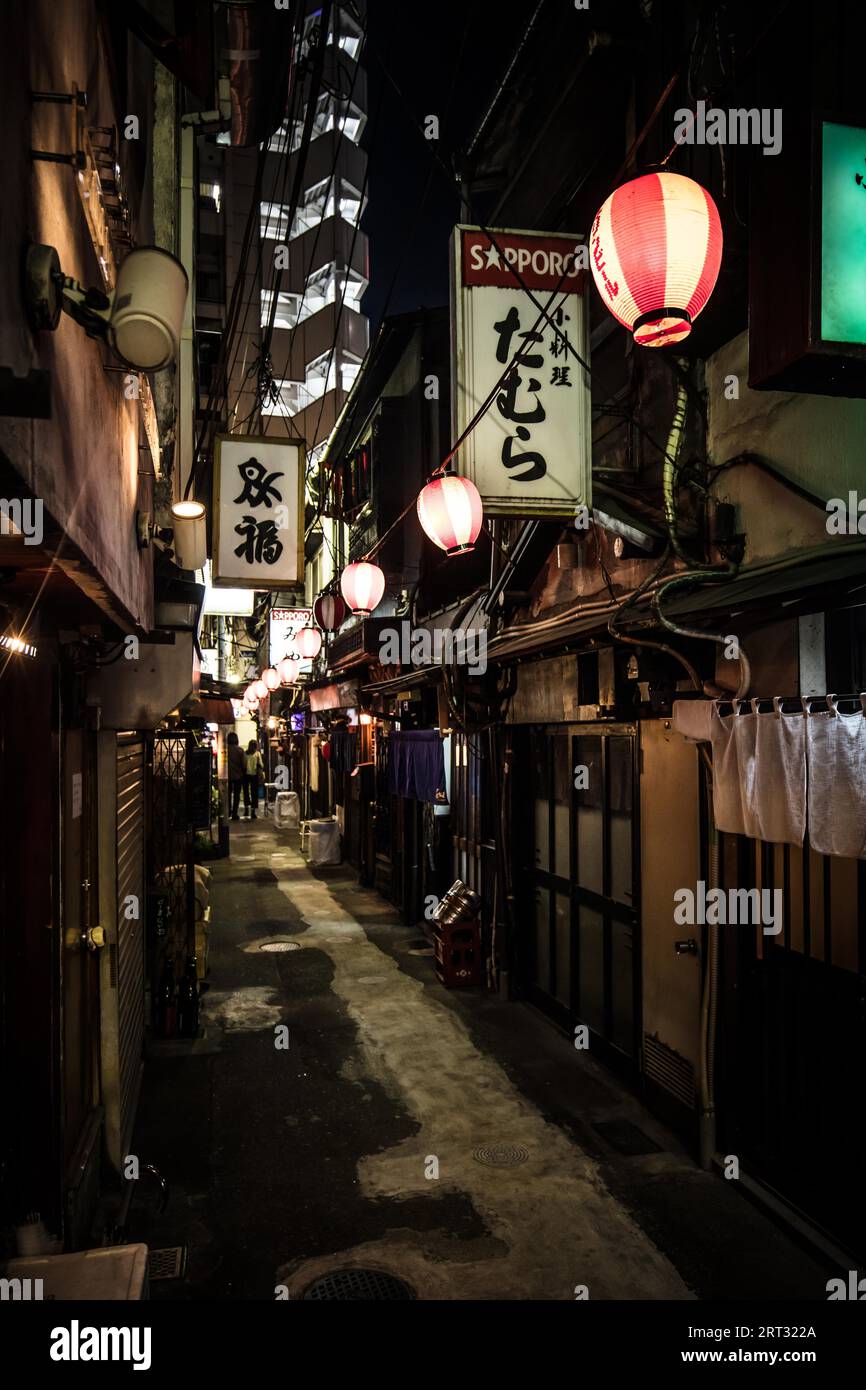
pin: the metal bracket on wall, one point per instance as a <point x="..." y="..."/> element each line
<point x="77" y="102"/>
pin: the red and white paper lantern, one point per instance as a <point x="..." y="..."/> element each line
<point x="450" y="512"/>
<point x="260" y="690"/>
<point x="270" y="678"/>
<point x="655" y="251"/>
<point x="363" y="585"/>
<point x="329" y="610"/>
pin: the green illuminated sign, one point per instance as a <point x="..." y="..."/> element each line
<point x="843" y="234"/>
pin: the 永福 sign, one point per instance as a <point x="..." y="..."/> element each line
<point x="258" y="540"/>
<point x="518" y="298"/>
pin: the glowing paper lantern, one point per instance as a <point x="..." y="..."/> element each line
<point x="363" y="585"/>
<point x="270" y="678"/>
<point x="260" y="690"/>
<point x="329" y="611"/>
<point x="655" y="251"/>
<point x="326" y="752"/>
<point x="308" y="641"/>
<point x="287" y="670"/>
<point x="450" y="511"/>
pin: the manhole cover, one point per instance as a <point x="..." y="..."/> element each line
<point x="501" y="1155"/>
<point x="167" y="1264"/>
<point x="359" y="1284"/>
<point x="280" y="946"/>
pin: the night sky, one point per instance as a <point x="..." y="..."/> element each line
<point x="448" y="59"/>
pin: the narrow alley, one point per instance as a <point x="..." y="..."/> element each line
<point x="448" y="1139"/>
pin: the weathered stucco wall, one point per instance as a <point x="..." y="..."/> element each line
<point x="816" y="441"/>
<point x="83" y="462"/>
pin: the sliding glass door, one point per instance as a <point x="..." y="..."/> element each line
<point x="579" y="951"/>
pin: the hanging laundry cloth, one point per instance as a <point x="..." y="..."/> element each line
<point x="727" y="801"/>
<point x="777" y="797"/>
<point x="836" y="752"/>
<point x="694" y="719"/>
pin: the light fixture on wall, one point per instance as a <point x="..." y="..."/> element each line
<point x="655" y="251"/>
<point x="450" y="512"/>
<point x="189" y="524"/>
<point x="363" y="585"/>
<point x="141" y="319"/>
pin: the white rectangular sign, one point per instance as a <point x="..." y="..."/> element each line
<point x="530" y="454"/>
<point x="285" y="622"/>
<point x="258" y="540"/>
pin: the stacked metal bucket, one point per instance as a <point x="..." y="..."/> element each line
<point x="459" y="904"/>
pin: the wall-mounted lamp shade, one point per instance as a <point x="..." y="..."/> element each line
<point x="260" y="689"/>
<point x="287" y="670"/>
<point x="329" y="610"/>
<point x="363" y="585"/>
<point x="365" y="718"/>
<point x="270" y="678"/>
<point x="450" y="511"/>
<point x="308" y="642"/>
<point x="147" y="312"/>
<point x="190" y="535"/>
<point x="655" y="251"/>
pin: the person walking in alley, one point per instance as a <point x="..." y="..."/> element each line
<point x="254" y="770"/>
<point x="236" y="769"/>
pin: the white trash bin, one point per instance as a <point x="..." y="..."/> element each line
<point x="287" y="811"/>
<point x="324" y="842"/>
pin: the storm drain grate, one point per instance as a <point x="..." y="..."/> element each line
<point x="626" y="1138"/>
<point x="359" y="1284"/>
<point x="501" y="1155"/>
<point x="280" y="946"/>
<point x="169" y="1263"/>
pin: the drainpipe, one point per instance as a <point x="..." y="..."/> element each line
<point x="185" y="359"/>
<point x="717" y="573"/>
<point x="191" y="125"/>
<point x="709" y="1012"/>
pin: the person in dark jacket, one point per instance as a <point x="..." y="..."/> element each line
<point x="254" y="772"/>
<point x="236" y="773"/>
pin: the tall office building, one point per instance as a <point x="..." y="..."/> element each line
<point x="313" y="262"/>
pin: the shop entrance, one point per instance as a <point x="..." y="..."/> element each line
<point x="792" y="1039"/>
<point x="574" y="817"/>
